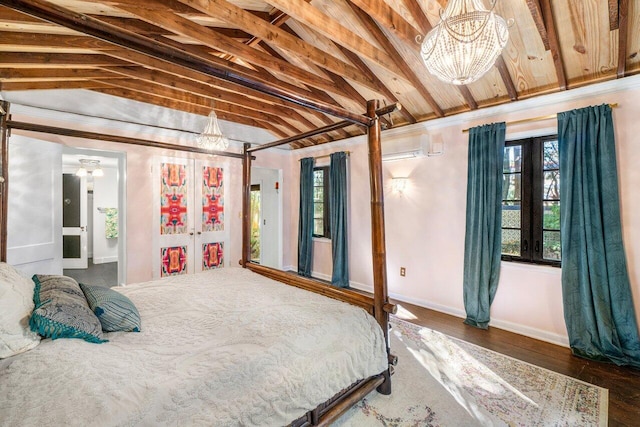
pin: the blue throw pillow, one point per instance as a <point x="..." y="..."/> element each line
<point x="115" y="311"/>
<point x="61" y="311"/>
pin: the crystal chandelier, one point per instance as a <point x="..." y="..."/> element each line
<point x="211" y="138"/>
<point x="466" y="42"/>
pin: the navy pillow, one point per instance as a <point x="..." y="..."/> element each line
<point x="115" y="311"/>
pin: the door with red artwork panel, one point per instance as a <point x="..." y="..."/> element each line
<point x="189" y="234"/>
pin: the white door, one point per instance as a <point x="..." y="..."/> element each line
<point x="189" y="216"/>
<point x="74" y="221"/>
<point x="270" y="215"/>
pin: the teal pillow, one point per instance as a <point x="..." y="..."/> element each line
<point x="61" y="310"/>
<point x="115" y="311"/>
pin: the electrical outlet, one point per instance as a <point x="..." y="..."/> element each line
<point x="403" y="271"/>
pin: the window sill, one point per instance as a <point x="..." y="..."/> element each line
<point x="321" y="240"/>
<point x="528" y="266"/>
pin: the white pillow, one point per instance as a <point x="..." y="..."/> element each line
<point x="16" y="306"/>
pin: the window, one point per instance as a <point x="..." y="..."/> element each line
<point x="531" y="201"/>
<point x="321" y="202"/>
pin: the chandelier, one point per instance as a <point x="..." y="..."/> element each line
<point x="466" y="42"/>
<point x="211" y="138"/>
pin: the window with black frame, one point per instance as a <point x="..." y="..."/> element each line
<point x="321" y="202"/>
<point x="531" y="201"/>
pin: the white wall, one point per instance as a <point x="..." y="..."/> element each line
<point x="425" y="226"/>
<point x="105" y="195"/>
<point x="34" y="240"/>
<point x="138" y="175"/>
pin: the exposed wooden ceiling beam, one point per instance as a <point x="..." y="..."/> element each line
<point x="48" y="60"/>
<point x="201" y="89"/>
<point x="347" y="90"/>
<point x="355" y="60"/>
<point x="176" y="105"/>
<point x="272" y="34"/>
<point x="506" y="78"/>
<point x="61" y="41"/>
<point x="389" y="18"/>
<point x="189" y="80"/>
<point x="22" y="39"/>
<point x="623" y="30"/>
<point x="316" y="92"/>
<point x="554" y="45"/>
<point x="329" y="27"/>
<point x="209" y="37"/>
<point x="144" y="28"/>
<point x="71" y="84"/>
<point x="536" y="14"/>
<point x="51" y="74"/>
<point x="377" y="33"/>
<point x="96" y="28"/>
<point x="9" y="15"/>
<point x="203" y="101"/>
<point x="278" y="18"/>
<point x="613" y="15"/>
<point x="255" y="73"/>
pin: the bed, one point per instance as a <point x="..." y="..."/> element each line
<point x="206" y="335"/>
<point x="197" y="361"/>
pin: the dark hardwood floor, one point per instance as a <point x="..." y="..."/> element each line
<point x="623" y="383"/>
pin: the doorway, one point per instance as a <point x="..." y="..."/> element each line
<point x="93" y="200"/>
<point x="266" y="217"/>
<point x="256" y="223"/>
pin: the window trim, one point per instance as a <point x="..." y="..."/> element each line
<point x="325" y="200"/>
<point x="531" y="201"/>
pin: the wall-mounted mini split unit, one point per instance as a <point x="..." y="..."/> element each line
<point x="411" y="146"/>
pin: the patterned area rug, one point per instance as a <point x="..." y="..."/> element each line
<point x="443" y="381"/>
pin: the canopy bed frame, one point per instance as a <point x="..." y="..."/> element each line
<point x="378" y="305"/>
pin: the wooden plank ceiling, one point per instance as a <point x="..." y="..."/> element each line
<point x="322" y="54"/>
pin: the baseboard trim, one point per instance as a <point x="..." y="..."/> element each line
<point x="105" y="259"/>
<point x="527" y="331"/>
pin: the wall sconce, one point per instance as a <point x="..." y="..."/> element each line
<point x="398" y="185"/>
<point x="90" y="167"/>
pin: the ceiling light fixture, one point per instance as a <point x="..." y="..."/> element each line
<point x="211" y="138"/>
<point x="90" y="167"/>
<point x="466" y="42"/>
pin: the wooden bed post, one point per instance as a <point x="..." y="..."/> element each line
<point x="4" y="178"/>
<point x="246" y="206"/>
<point x="380" y="297"/>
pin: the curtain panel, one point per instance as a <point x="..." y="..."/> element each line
<point x="598" y="305"/>
<point x="482" y="246"/>
<point x="305" y="221"/>
<point x="338" y="219"/>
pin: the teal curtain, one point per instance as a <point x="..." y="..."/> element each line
<point x="338" y="219"/>
<point x="482" y="243"/>
<point x="305" y="222"/>
<point x="598" y="307"/>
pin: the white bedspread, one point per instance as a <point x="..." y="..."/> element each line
<point x="221" y="348"/>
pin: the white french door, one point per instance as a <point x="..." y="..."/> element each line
<point x="74" y="221"/>
<point x="190" y="232"/>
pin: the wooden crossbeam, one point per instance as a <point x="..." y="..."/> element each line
<point x="277" y="37"/>
<point x="375" y="31"/>
<point x="329" y="27"/>
<point x="623" y="36"/>
<point x="554" y="45"/>
<point x="88" y="25"/>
